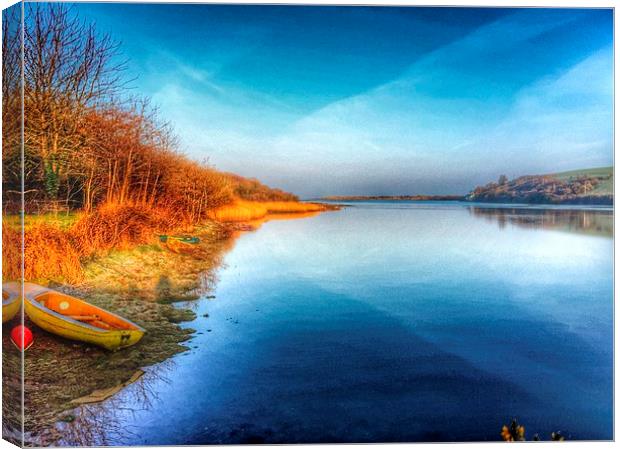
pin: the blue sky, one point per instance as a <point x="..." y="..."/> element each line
<point x="362" y="100"/>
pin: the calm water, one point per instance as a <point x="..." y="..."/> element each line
<point x="393" y="322"/>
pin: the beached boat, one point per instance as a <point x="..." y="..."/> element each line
<point x="187" y="239"/>
<point x="179" y="243"/>
<point x="10" y="300"/>
<point x="76" y="319"/>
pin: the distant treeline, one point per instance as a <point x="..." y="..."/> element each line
<point x="591" y="186"/>
<point x="87" y="141"/>
<point x="395" y="198"/>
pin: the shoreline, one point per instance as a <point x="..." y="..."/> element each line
<point x="137" y="272"/>
<point x="141" y="283"/>
<point x="489" y="204"/>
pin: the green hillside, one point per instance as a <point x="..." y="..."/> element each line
<point x="604" y="175"/>
<point x="588" y="186"/>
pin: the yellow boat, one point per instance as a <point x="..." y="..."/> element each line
<point x="75" y="319"/>
<point x="10" y="300"/>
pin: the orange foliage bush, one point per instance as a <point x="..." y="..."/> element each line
<point x="54" y="254"/>
<point x="118" y="226"/>
<point x="11" y="253"/>
<point x="48" y="254"/>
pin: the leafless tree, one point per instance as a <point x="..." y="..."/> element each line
<point x="69" y="68"/>
<point x="11" y="103"/>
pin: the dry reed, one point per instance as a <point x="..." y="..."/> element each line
<point x="54" y="254"/>
<point x="11" y="253"/>
<point x="48" y="254"/>
<point x="119" y="227"/>
<point x="251" y="210"/>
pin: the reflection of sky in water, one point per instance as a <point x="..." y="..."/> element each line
<point x="395" y="322"/>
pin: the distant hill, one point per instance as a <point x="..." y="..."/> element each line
<point x="591" y="186"/>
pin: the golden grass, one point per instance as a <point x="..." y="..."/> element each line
<point x="252" y="210"/>
<point x="60" y="220"/>
<point x="119" y="227"/>
<point x="11" y="252"/>
<point x="55" y="251"/>
<point x="48" y="254"/>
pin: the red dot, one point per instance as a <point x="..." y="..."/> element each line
<point x="21" y="335"/>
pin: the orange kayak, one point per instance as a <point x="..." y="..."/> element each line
<point x="76" y="319"/>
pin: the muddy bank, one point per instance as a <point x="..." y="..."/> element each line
<point x="139" y="284"/>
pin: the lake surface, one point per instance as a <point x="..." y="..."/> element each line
<point x="392" y="321"/>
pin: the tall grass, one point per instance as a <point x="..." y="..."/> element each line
<point x="119" y="227"/>
<point x="55" y="251"/>
<point x="11" y="252"/>
<point x="48" y="254"/>
<point x="251" y="210"/>
<point x="60" y="220"/>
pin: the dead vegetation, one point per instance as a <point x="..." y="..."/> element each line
<point x="117" y="226"/>
<point x="91" y="143"/>
<point x="252" y="210"/>
<point x="48" y="254"/>
<point x="138" y="282"/>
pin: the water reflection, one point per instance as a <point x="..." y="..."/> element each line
<point x="106" y="423"/>
<point x="100" y="424"/>
<point x="591" y="222"/>
<point x="394" y="322"/>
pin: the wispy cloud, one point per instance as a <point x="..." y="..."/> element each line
<point x="494" y="101"/>
<point x="558" y="122"/>
<point x="409" y="132"/>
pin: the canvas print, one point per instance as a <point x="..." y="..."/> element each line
<point x="245" y="224"/>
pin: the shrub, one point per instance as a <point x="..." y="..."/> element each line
<point x="48" y="254"/>
<point x="11" y="253"/>
<point x="118" y="226"/>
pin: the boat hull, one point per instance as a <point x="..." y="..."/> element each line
<point x="12" y="304"/>
<point x="63" y="326"/>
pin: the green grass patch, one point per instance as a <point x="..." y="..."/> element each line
<point x="591" y="172"/>
<point x="61" y="220"/>
<point x="604" y="175"/>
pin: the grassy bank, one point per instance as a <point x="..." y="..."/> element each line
<point x="138" y="283"/>
<point x="137" y="280"/>
<point x="252" y="210"/>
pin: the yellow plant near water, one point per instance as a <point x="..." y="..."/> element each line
<point x="252" y="210"/>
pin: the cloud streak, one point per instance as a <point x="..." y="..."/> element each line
<point x="517" y="95"/>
